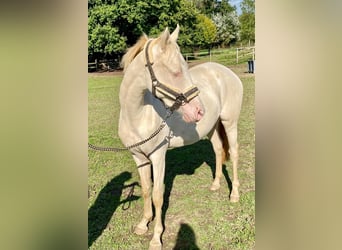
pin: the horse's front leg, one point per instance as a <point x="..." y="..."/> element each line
<point x="144" y="169"/>
<point x="158" y="162"/>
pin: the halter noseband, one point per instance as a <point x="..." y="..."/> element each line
<point x="169" y="91"/>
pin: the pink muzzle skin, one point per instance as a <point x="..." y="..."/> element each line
<point x="192" y="113"/>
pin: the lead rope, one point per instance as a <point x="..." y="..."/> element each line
<point x="154" y="134"/>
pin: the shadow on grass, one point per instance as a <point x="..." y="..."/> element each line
<point x="106" y="203"/>
<point x="186" y="239"/>
<point x="186" y="160"/>
<point x="179" y="161"/>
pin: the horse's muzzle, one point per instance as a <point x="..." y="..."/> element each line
<point x="193" y="111"/>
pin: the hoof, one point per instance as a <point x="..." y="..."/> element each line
<point x="140" y="230"/>
<point x="234" y="198"/>
<point x="215" y="186"/>
<point x="155" y="246"/>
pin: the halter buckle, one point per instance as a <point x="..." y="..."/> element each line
<point x="181" y="99"/>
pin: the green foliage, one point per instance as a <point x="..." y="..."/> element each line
<point x="224" y="7"/>
<point x="247" y="20"/>
<point x="227" y="26"/>
<point x="187" y="19"/>
<point x="210" y="7"/>
<point x="248" y="6"/>
<point x="114" y="25"/>
<point x="205" y="33"/>
<point x="105" y="39"/>
<point x="224" y="16"/>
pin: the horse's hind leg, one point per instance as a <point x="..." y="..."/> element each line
<point x="144" y="169"/>
<point x="231" y="131"/>
<point x="217" y="144"/>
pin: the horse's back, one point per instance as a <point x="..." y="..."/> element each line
<point x="226" y="85"/>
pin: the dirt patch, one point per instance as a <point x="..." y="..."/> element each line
<point x="107" y="73"/>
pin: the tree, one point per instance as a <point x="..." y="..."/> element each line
<point x="210" y="7"/>
<point x="113" y="25"/>
<point x="247" y="20"/>
<point x="248" y="6"/>
<point x="205" y="33"/>
<point x="186" y="17"/>
<point x="224" y="7"/>
<point x="227" y="26"/>
<point x="206" y="7"/>
<point x="103" y="37"/>
<point x="224" y="17"/>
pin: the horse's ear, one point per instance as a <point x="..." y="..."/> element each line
<point x="164" y="38"/>
<point x="174" y="35"/>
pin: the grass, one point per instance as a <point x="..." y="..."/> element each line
<point x="223" y="56"/>
<point x="194" y="217"/>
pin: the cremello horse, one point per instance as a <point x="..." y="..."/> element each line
<point x="206" y="101"/>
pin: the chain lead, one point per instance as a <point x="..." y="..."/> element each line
<point x="154" y="134"/>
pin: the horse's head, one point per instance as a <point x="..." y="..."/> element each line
<point x="171" y="80"/>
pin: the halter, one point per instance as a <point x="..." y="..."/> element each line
<point x="168" y="90"/>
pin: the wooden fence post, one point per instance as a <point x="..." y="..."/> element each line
<point x="237" y="55"/>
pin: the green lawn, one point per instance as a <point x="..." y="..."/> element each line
<point x="223" y="56"/>
<point x="194" y="217"/>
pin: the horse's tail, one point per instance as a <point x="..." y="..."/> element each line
<point x="224" y="139"/>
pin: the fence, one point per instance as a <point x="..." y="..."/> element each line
<point x="225" y="56"/>
<point x="245" y="52"/>
<point x="104" y="65"/>
<point x="92" y="66"/>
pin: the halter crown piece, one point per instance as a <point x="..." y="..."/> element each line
<point x="169" y="91"/>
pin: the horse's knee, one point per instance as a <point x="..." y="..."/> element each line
<point x="157" y="200"/>
<point x="146" y="192"/>
<point x="234" y="152"/>
<point x="158" y="192"/>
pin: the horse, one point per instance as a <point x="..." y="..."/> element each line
<point x="158" y="90"/>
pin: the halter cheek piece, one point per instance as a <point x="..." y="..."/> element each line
<point x="167" y="90"/>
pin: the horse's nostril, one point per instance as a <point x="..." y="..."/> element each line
<point x="199" y="111"/>
<point x="199" y="114"/>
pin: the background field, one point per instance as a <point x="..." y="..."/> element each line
<point x="194" y="217"/>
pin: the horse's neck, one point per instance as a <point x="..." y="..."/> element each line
<point x="133" y="93"/>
